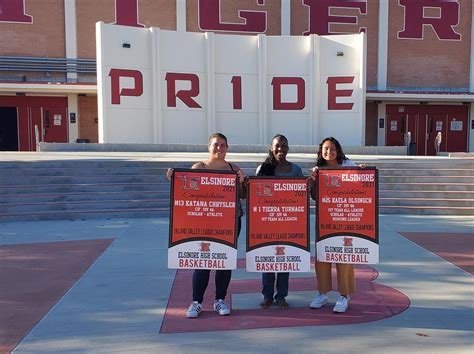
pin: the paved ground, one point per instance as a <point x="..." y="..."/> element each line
<point x="110" y="291"/>
<point x="103" y="286"/>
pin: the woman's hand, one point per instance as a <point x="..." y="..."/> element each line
<point x="314" y="173"/>
<point x="169" y="173"/>
<point x="241" y="175"/>
<point x="362" y="165"/>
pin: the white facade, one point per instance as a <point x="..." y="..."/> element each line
<point x="158" y="86"/>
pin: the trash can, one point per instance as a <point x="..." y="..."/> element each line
<point x="82" y="140"/>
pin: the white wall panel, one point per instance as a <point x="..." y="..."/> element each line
<point x="182" y="51"/>
<point x="215" y="59"/>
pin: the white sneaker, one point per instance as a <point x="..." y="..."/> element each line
<point x="194" y="310"/>
<point x="319" y="301"/>
<point x="221" y="308"/>
<point x="342" y="304"/>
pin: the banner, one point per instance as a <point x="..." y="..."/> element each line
<point x="203" y="219"/>
<point x="278" y="224"/>
<point x="347" y="215"/>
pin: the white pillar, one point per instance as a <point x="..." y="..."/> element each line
<point x="100" y="107"/>
<point x="71" y="34"/>
<point x="262" y="89"/>
<point x="181" y="15"/>
<point x="73" y="109"/>
<point x="382" y="51"/>
<point x="285" y="17"/>
<point x="316" y="81"/>
<point x="157" y="82"/>
<point x="381" y="114"/>
<point x="211" y="82"/>
<point x="362" y="78"/>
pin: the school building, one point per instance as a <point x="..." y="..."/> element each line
<point x="418" y="64"/>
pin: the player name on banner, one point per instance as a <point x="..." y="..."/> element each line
<point x="278" y="224"/>
<point x="203" y="219"/>
<point x="347" y="215"/>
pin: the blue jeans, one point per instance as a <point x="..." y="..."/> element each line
<point x="268" y="281"/>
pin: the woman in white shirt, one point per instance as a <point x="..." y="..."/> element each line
<point x="330" y="154"/>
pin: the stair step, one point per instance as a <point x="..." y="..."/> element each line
<point x="85" y="205"/>
<point x="426" y="179"/>
<point x="383" y="193"/>
<point x="45" y="180"/>
<point x="428" y="186"/>
<point x="419" y="210"/>
<point x="85" y="188"/>
<point x="93" y="214"/>
<point x="75" y="197"/>
<point x="429" y="202"/>
<point x="392" y="172"/>
<point x="86" y="172"/>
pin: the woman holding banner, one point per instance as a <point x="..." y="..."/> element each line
<point x="276" y="165"/>
<point x="217" y="146"/>
<point x="330" y="154"/>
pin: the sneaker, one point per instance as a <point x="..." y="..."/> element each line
<point x="266" y="302"/>
<point x="319" y="301"/>
<point x="342" y="304"/>
<point x="221" y="307"/>
<point x="281" y="302"/>
<point x="194" y="310"/>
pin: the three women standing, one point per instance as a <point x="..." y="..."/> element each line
<point x="330" y="154"/>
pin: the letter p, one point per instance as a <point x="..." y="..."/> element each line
<point x="117" y="92"/>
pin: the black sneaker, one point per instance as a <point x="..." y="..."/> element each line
<point x="266" y="302"/>
<point x="281" y="302"/>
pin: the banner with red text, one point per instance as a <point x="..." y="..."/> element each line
<point x="347" y="215"/>
<point x="203" y="219"/>
<point x="278" y="224"/>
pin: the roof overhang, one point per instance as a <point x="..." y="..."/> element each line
<point x="47" y="88"/>
<point x="420" y="96"/>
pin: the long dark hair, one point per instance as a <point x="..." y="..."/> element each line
<point x="270" y="163"/>
<point x="320" y="161"/>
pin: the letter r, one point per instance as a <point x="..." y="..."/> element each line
<point x="186" y="96"/>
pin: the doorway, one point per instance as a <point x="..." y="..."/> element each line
<point x="423" y="123"/>
<point x="8" y="129"/>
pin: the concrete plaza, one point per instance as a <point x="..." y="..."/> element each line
<point x="121" y="302"/>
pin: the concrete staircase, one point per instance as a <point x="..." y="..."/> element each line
<point x="432" y="187"/>
<point x="50" y="190"/>
<point x="110" y="188"/>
